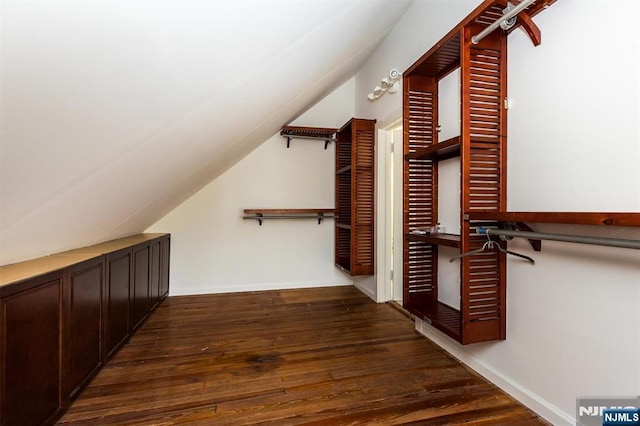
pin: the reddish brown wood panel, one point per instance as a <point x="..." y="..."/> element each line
<point x="483" y="156"/>
<point x="420" y="115"/>
<point x="439" y="151"/>
<point x="355" y="197"/>
<point x="363" y="197"/>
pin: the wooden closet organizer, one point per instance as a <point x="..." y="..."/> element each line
<point x="481" y="149"/>
<point x="354" y="193"/>
<point x="355" y="197"/>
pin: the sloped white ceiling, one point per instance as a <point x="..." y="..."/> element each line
<point x="113" y="112"/>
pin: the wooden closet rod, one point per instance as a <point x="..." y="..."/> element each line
<point x="601" y="241"/>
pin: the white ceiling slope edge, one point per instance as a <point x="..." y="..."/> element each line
<point x="113" y="112"/>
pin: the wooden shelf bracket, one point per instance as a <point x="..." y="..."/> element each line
<point x="261" y="214"/>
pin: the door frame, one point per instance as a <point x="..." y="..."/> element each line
<point x="389" y="213"/>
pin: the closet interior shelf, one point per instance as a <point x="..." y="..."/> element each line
<point x="441" y="151"/>
<point x="318" y="133"/>
<point x="448" y="240"/>
<point x="262" y="214"/>
<point x="572" y="218"/>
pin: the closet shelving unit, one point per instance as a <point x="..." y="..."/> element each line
<point x="481" y="150"/>
<point x="354" y="193"/>
<point x="355" y="197"/>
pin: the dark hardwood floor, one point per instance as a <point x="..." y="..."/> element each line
<point x="326" y="356"/>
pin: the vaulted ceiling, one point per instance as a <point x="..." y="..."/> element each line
<point x="113" y="112"/>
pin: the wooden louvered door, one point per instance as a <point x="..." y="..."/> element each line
<point x="355" y="200"/>
<point x="483" y="77"/>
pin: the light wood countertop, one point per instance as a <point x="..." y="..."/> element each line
<point x="20" y="271"/>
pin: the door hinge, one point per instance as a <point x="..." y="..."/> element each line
<point x="392" y="146"/>
<point x="391" y="275"/>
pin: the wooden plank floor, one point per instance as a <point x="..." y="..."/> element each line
<point x="326" y="356"/>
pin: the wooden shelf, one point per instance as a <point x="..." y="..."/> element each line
<point x="449" y="240"/>
<point x="441" y="316"/>
<point x="287" y="211"/>
<point x="573" y="218"/>
<point x="262" y="214"/>
<point x="319" y="133"/>
<point x="439" y="151"/>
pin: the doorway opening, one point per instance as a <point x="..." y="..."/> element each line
<point x="389" y="214"/>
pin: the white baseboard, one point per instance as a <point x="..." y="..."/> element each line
<point x="366" y="289"/>
<point x="539" y="405"/>
<point x="178" y="290"/>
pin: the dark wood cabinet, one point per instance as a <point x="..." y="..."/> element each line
<point x="63" y="316"/>
<point x="355" y="197"/>
<point x="83" y="297"/>
<point x="30" y="355"/>
<point x="155" y="271"/>
<point x="140" y="288"/>
<point x="117" y="300"/>
<point x="165" y="248"/>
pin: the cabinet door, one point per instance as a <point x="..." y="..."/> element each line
<point x="165" y="244"/>
<point x="140" y="296"/>
<point x="30" y="354"/>
<point x="154" y="274"/>
<point x="83" y="296"/>
<point x="117" y="300"/>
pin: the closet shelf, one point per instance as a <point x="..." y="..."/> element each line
<point x="318" y="133"/>
<point x="573" y="218"/>
<point x="449" y="240"/>
<point x="262" y="214"/>
<point x="443" y="317"/>
<point x="440" y="151"/>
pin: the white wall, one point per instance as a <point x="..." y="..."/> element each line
<point x="573" y="319"/>
<point x="115" y="112"/>
<point x="214" y="250"/>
